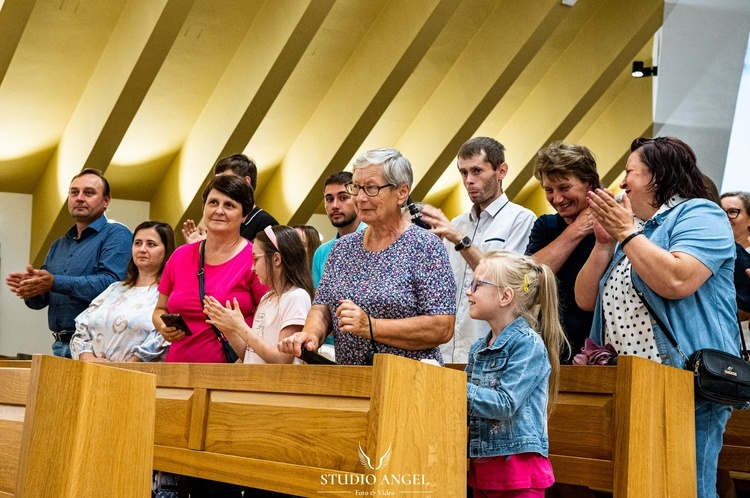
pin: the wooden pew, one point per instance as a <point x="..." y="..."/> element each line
<point x="298" y="429"/>
<point x="86" y="430"/>
<point x="735" y="454"/>
<point x="14" y="388"/>
<point x="629" y="429"/>
<point x="609" y="430"/>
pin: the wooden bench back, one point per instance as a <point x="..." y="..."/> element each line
<point x="299" y="429"/>
<point x="65" y="425"/>
<point x="14" y="390"/>
<point x="625" y="428"/>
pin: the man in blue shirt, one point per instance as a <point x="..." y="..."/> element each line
<point x="81" y="264"/>
<point x="341" y="211"/>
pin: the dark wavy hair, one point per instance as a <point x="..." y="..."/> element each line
<point x="166" y="234"/>
<point x="674" y="169"/>
<point x="294" y="268"/>
<point x="234" y="187"/>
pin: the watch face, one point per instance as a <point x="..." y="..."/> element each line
<point x="463" y="243"/>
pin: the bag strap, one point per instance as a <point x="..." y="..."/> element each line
<point x="663" y="327"/>
<point x="202" y="288"/>
<point x="743" y="351"/>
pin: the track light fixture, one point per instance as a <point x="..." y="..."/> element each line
<point x="639" y="71"/>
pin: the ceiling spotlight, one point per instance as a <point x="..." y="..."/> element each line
<point x="639" y="71"/>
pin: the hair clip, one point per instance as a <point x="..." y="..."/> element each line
<point x="526" y="282"/>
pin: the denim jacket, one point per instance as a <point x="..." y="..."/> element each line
<point x="706" y="318"/>
<point x="507" y="393"/>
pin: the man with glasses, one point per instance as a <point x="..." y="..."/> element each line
<point x="492" y="223"/>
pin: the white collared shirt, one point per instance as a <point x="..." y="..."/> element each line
<point x="502" y="225"/>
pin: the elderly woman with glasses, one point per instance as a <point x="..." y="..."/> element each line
<point x="663" y="262"/>
<point x="388" y="289"/>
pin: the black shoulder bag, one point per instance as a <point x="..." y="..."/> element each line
<point x="225" y="345"/>
<point x="719" y="376"/>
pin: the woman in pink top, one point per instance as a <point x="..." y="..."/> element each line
<point x="228" y="275"/>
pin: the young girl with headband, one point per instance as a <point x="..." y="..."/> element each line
<point x="513" y="375"/>
<point x="279" y="261"/>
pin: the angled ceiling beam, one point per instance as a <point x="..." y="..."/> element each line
<point x="14" y="14"/>
<point x="369" y="81"/>
<point x="608" y="135"/>
<point x="460" y="104"/>
<point x="136" y="50"/>
<point x="597" y="56"/>
<point x="250" y="85"/>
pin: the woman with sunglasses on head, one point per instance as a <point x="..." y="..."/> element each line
<point x="280" y="262"/>
<point x="663" y="265"/>
<point x="388" y="289"/>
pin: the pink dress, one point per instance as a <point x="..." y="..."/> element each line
<point x="226" y="281"/>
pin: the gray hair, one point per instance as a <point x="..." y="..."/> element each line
<point x="396" y="167"/>
<point x="742" y="196"/>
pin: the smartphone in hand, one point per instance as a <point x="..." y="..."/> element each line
<point x="175" y="320"/>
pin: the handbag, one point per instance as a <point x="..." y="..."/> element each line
<point x="719" y="376"/>
<point x="229" y="351"/>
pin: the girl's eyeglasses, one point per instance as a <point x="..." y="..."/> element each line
<point x="476" y="283"/>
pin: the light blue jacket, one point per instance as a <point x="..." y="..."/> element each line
<point x="507" y="393"/>
<point x="707" y="318"/>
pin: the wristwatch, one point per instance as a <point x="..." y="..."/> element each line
<point x="463" y="244"/>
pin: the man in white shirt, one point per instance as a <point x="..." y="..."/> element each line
<point x="492" y="223"/>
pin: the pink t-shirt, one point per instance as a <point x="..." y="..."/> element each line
<point x="226" y="281"/>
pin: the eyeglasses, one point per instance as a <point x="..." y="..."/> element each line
<point x="370" y="190"/>
<point x="256" y="257"/>
<point x="733" y="213"/>
<point x="476" y="283"/>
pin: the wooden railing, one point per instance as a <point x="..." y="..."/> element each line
<point x="297" y="429"/>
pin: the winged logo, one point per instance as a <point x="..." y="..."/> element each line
<point x="366" y="460"/>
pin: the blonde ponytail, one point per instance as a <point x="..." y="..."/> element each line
<point x="536" y="301"/>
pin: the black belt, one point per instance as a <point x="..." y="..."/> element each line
<point x="63" y="336"/>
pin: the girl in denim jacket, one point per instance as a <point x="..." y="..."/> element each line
<point x="513" y="374"/>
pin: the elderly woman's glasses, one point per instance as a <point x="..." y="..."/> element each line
<point x="370" y="190"/>
<point x="732" y="213"/>
<point x="476" y="283"/>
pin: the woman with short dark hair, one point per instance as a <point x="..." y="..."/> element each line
<point x="227" y="272"/>
<point x="563" y="241"/>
